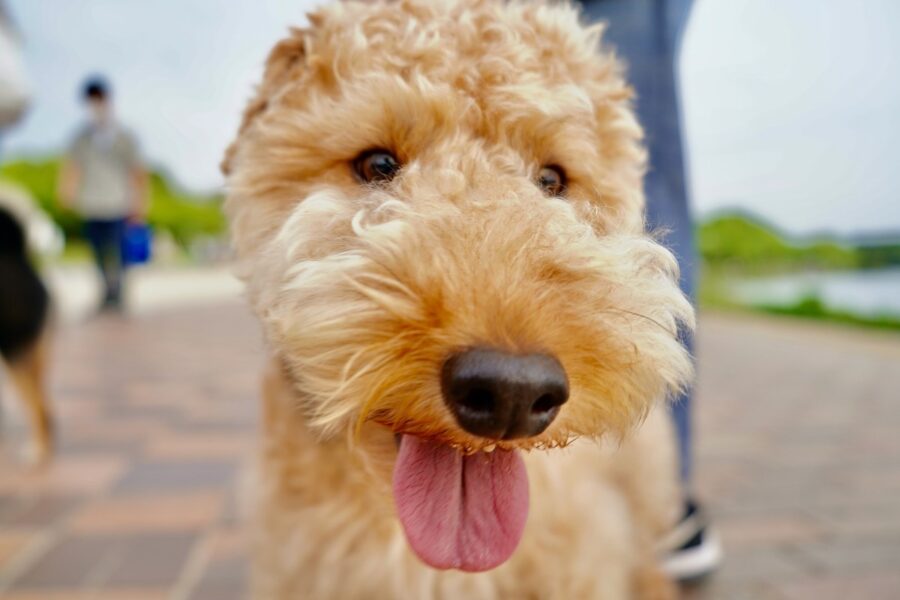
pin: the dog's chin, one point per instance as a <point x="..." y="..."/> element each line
<point x="459" y="510"/>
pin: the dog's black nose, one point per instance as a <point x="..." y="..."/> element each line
<point x="498" y="395"/>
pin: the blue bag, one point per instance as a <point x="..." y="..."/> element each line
<point x="136" y="244"/>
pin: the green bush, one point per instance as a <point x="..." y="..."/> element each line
<point x="185" y="216"/>
<point x="744" y="244"/>
<point x="879" y="256"/>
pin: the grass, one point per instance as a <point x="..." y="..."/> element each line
<point x="713" y="293"/>
<point x="811" y="307"/>
<point x="76" y="251"/>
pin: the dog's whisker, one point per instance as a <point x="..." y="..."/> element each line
<point x="642" y="316"/>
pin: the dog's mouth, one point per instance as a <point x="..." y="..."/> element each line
<point x="460" y="511"/>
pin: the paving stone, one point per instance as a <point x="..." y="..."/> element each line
<point x="110" y="594"/>
<point x="769" y="529"/>
<point x="71" y="563"/>
<point x="176" y="476"/>
<point x="224" y="579"/>
<point x="41" y="510"/>
<point x="151" y="512"/>
<point x="150" y="560"/>
<point x="77" y="474"/>
<point x="11" y="542"/>
<point x="745" y="566"/>
<point x="89" y="561"/>
<point x="714" y="589"/>
<point x="847" y="555"/>
<point x="196" y="445"/>
<point x="867" y="586"/>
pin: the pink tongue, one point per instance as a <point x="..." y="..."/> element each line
<point x="460" y="512"/>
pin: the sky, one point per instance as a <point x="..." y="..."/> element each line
<point x="792" y="108"/>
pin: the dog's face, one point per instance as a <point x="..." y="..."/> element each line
<point x="438" y="209"/>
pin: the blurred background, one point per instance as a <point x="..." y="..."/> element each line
<point x="792" y="112"/>
<point x="789" y="110"/>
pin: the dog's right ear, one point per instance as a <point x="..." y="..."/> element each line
<point x="285" y="60"/>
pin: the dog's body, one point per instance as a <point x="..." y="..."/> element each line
<point x="24" y="309"/>
<point x="438" y="210"/>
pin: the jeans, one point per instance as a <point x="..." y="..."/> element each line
<point x="105" y="237"/>
<point x="647" y="35"/>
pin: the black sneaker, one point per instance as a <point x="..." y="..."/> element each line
<point x="112" y="303"/>
<point x="692" y="550"/>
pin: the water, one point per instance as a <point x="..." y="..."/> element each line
<point x="864" y="293"/>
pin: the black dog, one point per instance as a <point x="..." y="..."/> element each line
<point x="24" y="317"/>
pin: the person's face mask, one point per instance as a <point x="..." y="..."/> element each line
<point x="98" y="111"/>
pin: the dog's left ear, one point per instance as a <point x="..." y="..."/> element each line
<point x="285" y="60"/>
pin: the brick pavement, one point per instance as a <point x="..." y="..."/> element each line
<point x="156" y="418"/>
<point x="798" y="459"/>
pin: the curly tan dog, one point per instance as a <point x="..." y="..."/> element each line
<point x="437" y="207"/>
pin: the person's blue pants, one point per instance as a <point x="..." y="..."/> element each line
<point x="105" y="237"/>
<point x="647" y="34"/>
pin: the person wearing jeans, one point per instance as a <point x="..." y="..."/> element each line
<point x="646" y="35"/>
<point x="106" y="238"/>
<point x="103" y="179"/>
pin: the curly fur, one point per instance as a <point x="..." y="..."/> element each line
<point x="364" y="291"/>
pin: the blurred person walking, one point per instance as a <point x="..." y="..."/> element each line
<point x="104" y="180"/>
<point x="647" y="34"/>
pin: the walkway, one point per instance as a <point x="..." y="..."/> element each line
<point x="799" y="460"/>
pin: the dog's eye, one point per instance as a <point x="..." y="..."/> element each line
<point x="552" y="180"/>
<point x="376" y="166"/>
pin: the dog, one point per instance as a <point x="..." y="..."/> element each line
<point x="24" y="331"/>
<point x="437" y="208"/>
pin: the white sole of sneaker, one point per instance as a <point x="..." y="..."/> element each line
<point x="695" y="563"/>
